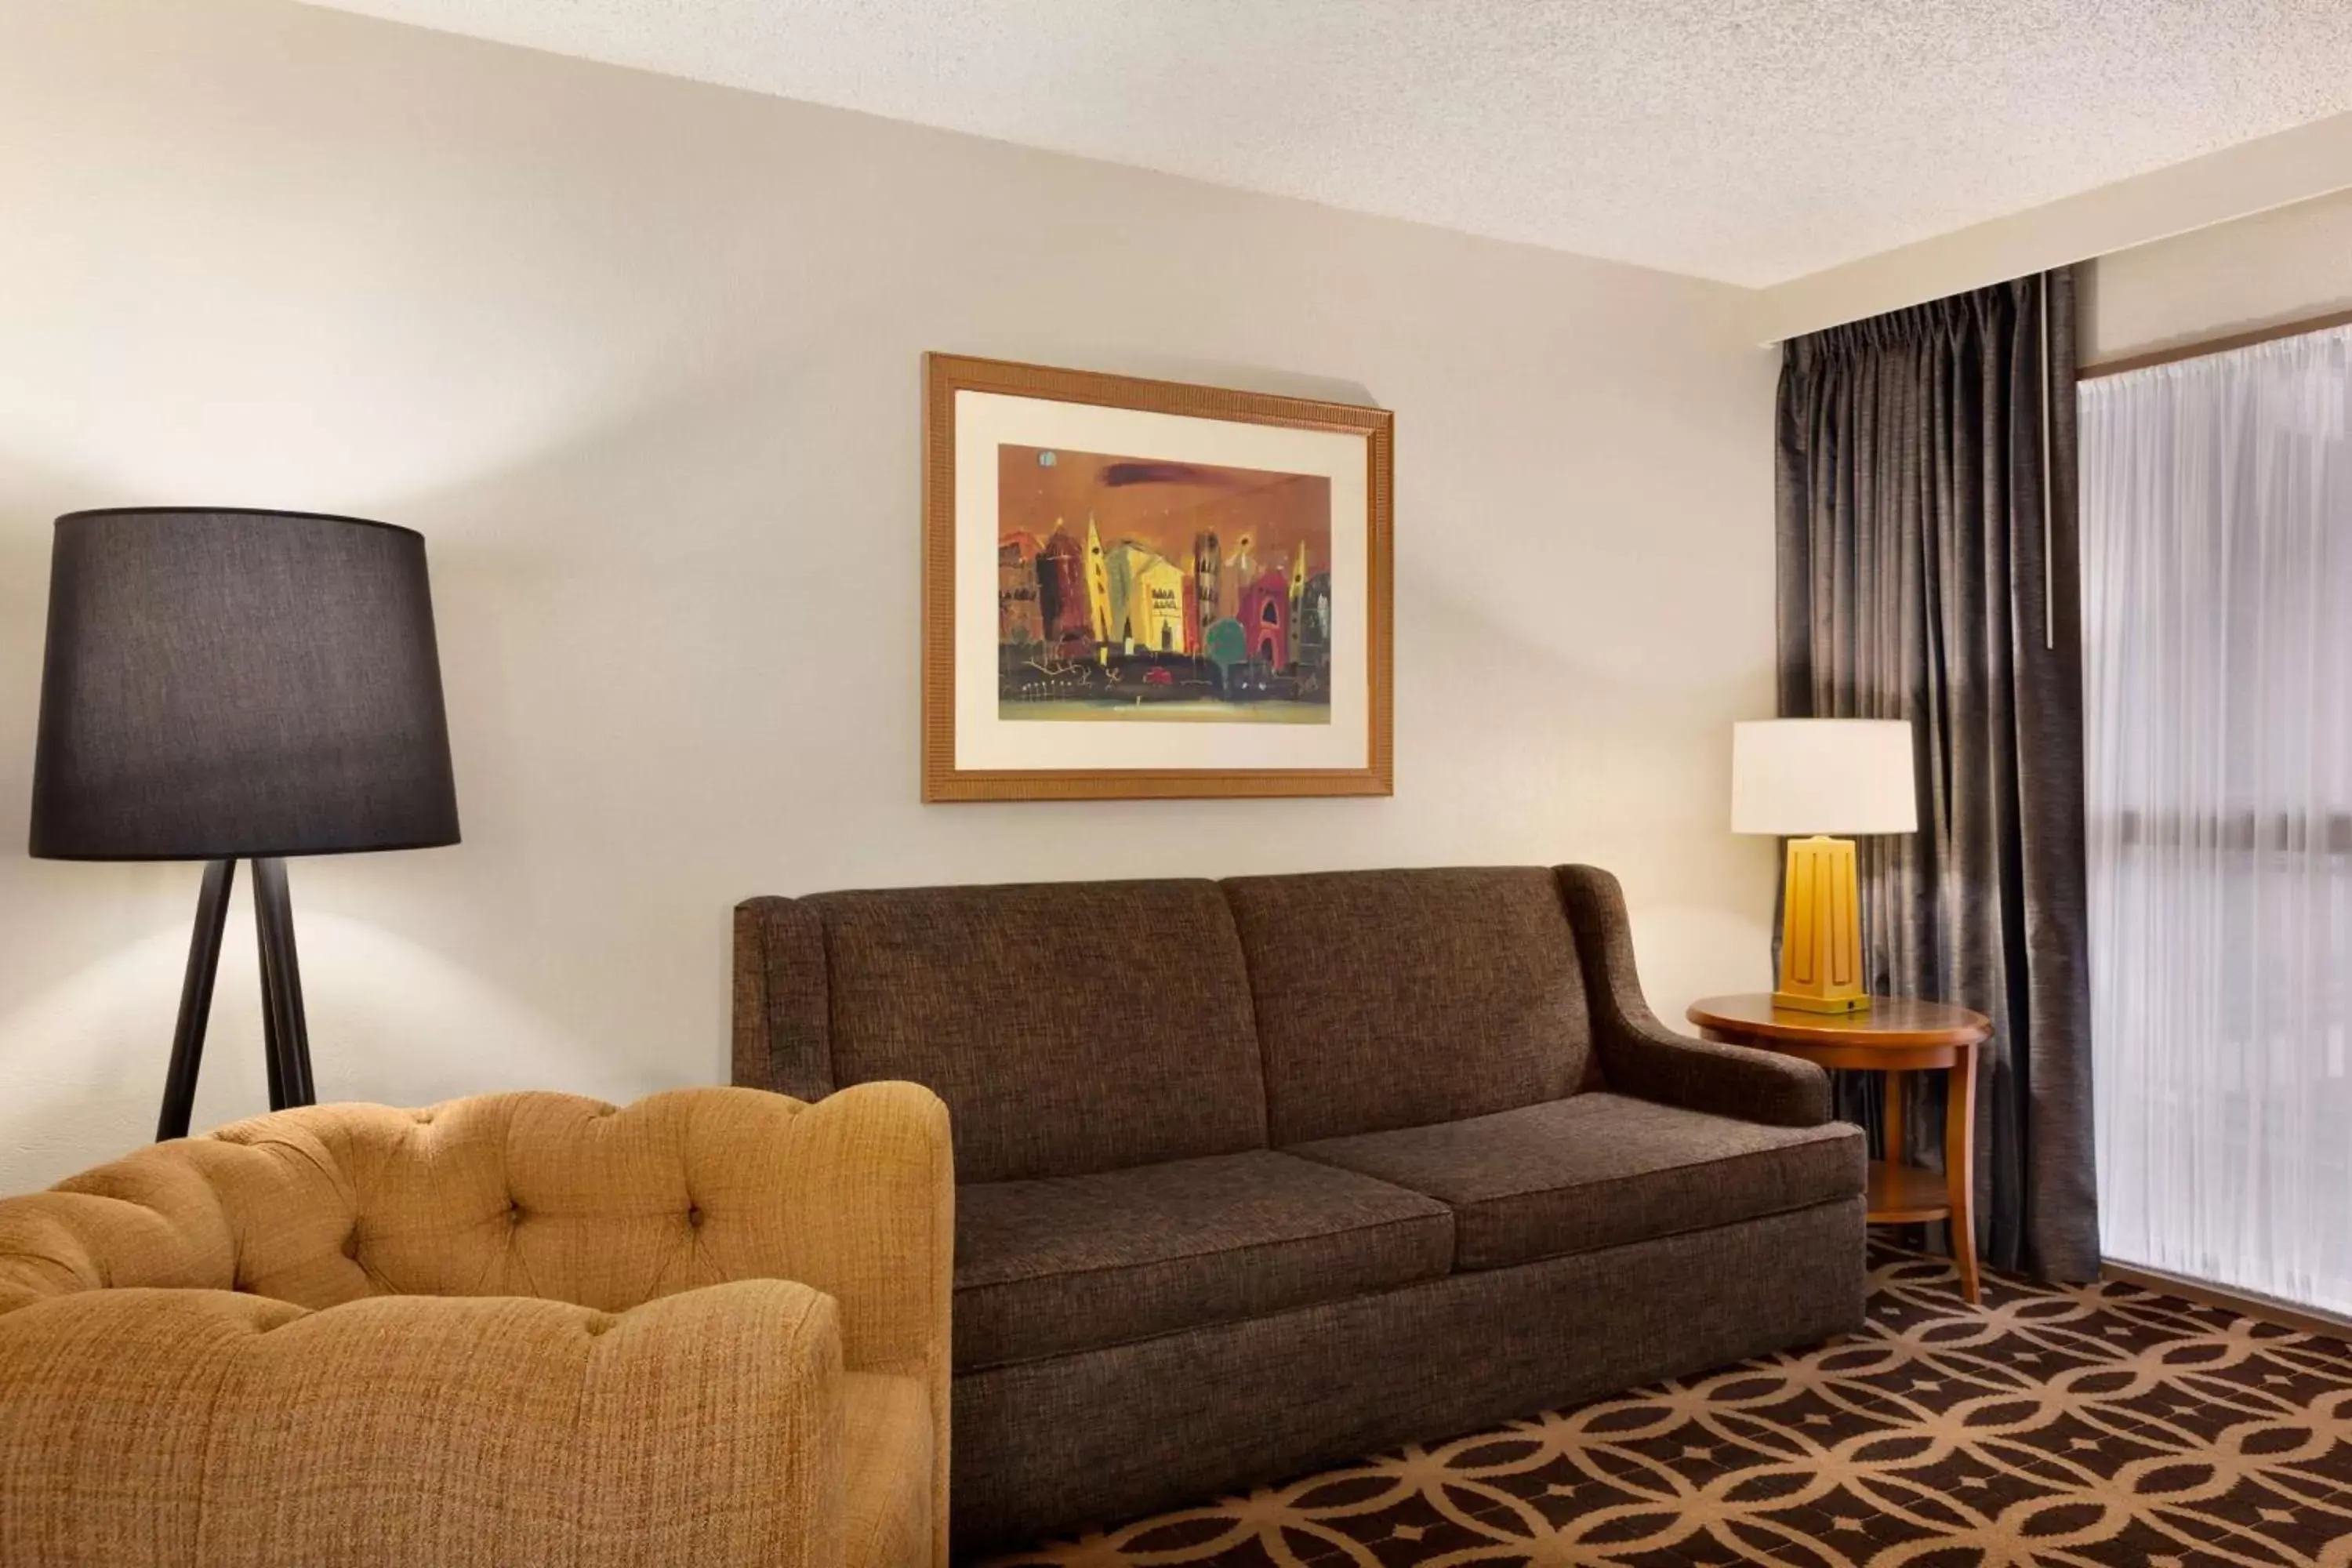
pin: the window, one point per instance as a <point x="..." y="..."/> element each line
<point x="2216" y="565"/>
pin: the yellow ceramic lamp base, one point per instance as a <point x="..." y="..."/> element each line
<point x="1821" y="930"/>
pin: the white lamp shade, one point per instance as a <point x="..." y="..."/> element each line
<point x="1794" y="777"/>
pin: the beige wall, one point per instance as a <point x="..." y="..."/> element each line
<point x="2276" y="267"/>
<point x="640" y="358"/>
<point x="2218" y="191"/>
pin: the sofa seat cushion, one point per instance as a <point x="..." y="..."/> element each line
<point x="1601" y="1169"/>
<point x="1058" y="1264"/>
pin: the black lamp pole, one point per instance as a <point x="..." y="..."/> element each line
<point x="285" y="1034"/>
<point x="224" y="684"/>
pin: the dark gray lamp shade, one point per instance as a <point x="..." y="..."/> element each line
<point x="225" y="683"/>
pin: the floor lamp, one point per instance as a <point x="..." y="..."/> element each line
<point x="223" y="684"/>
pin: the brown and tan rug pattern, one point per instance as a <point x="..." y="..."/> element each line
<point x="2098" y="1425"/>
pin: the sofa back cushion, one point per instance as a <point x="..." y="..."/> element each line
<point x="1398" y="998"/>
<point x="1071" y="1026"/>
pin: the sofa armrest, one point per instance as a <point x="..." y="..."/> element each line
<point x="202" y="1426"/>
<point x="1640" y="1056"/>
<point x="1651" y="1062"/>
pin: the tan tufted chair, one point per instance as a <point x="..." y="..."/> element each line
<point x="710" y="1329"/>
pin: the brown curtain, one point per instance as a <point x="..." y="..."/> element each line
<point x="1920" y="579"/>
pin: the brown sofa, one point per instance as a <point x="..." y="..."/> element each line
<point x="709" y="1329"/>
<point x="1261" y="1174"/>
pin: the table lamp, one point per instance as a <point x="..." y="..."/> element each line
<point x="1803" y="779"/>
<point x="223" y="684"/>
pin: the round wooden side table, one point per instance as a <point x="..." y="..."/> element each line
<point x="1894" y="1035"/>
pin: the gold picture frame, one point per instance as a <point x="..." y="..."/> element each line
<point x="1192" y="702"/>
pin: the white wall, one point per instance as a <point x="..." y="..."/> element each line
<point x="2276" y="267"/>
<point x="642" y="359"/>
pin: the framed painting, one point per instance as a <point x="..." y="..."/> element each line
<point x="1141" y="588"/>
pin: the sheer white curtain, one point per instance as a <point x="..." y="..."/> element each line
<point x="2217" y="587"/>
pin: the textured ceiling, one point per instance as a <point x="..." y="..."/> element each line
<point x="1750" y="140"/>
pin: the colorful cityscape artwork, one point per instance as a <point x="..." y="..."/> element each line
<point x="1138" y="589"/>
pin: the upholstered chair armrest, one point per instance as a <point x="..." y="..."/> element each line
<point x="866" y="1181"/>
<point x="868" y="1184"/>
<point x="1640" y="1056"/>
<point x="853" y="1195"/>
<point x="170" y="1425"/>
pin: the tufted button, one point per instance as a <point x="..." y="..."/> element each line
<point x="514" y="1212"/>
<point x="351" y="1244"/>
<point x="694" y="1215"/>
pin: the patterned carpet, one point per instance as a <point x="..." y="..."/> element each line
<point x="2098" y="1425"/>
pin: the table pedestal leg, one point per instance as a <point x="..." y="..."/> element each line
<point x="1960" y="1165"/>
<point x="1890" y="1120"/>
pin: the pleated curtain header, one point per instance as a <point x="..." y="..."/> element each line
<point x="1953" y="321"/>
